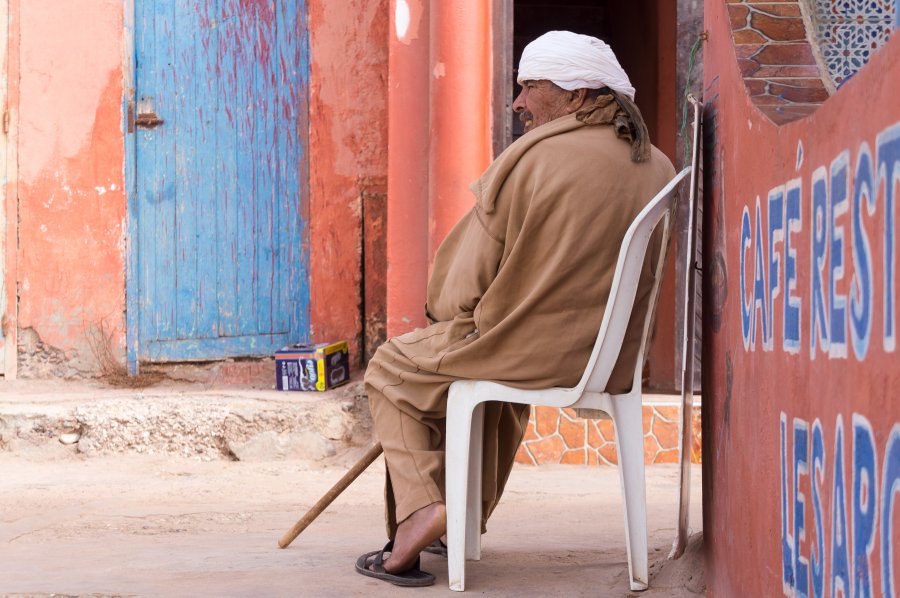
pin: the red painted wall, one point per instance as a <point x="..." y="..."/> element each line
<point x="71" y="205"/>
<point x="348" y="162"/>
<point x="777" y="484"/>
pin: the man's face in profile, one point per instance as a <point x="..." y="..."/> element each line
<point x="539" y="102"/>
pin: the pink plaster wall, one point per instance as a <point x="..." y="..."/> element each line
<point x="348" y="161"/>
<point x="71" y="204"/>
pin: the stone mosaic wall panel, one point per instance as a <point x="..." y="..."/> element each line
<point x="849" y="31"/>
<point x="557" y="436"/>
<point x="788" y="71"/>
<point x="777" y="62"/>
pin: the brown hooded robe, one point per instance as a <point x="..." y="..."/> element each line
<point x="517" y="294"/>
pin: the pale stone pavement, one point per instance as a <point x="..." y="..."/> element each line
<point x="155" y="525"/>
<point x="136" y="492"/>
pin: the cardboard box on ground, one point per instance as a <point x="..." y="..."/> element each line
<point x="322" y="366"/>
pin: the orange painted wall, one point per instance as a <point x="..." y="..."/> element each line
<point x="71" y="204"/>
<point x="348" y="159"/>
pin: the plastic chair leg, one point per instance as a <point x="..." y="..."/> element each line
<point x="473" y="498"/>
<point x="458" y="450"/>
<point x="628" y="420"/>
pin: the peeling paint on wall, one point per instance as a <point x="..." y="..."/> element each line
<point x="37" y="359"/>
<point x="70" y="257"/>
<point x="408" y="19"/>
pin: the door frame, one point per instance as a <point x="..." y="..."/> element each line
<point x="132" y="335"/>
<point x="502" y="68"/>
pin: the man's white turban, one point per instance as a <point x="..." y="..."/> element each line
<point x="573" y="61"/>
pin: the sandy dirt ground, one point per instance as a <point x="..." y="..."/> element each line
<point x="164" y="526"/>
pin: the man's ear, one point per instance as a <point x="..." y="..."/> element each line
<point x="578" y="98"/>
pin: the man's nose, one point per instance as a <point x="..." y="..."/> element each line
<point x="519" y="102"/>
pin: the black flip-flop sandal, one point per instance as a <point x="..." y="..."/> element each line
<point x="437" y="547"/>
<point x="412" y="577"/>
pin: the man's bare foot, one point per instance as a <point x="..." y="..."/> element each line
<point x="415" y="533"/>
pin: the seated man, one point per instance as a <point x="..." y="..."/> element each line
<point x="519" y="286"/>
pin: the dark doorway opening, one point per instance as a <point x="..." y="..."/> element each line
<point x="631" y="28"/>
<point x="643" y="34"/>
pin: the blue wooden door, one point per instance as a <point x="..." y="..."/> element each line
<point x="217" y="261"/>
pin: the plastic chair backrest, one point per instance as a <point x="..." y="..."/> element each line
<point x="624" y="287"/>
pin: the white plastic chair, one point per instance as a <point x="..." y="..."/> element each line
<point x="465" y="409"/>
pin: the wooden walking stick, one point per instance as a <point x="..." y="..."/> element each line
<point x="329" y="496"/>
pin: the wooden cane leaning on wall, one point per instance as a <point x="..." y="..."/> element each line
<point x="329" y="496"/>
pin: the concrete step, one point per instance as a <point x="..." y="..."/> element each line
<point x="51" y="418"/>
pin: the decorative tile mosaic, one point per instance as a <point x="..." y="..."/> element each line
<point x="850" y="31"/>
<point x="778" y="64"/>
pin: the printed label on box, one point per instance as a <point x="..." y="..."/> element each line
<point x="312" y="367"/>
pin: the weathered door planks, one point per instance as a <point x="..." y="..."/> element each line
<point x="220" y="186"/>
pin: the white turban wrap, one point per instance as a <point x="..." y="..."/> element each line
<point x="573" y="61"/>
